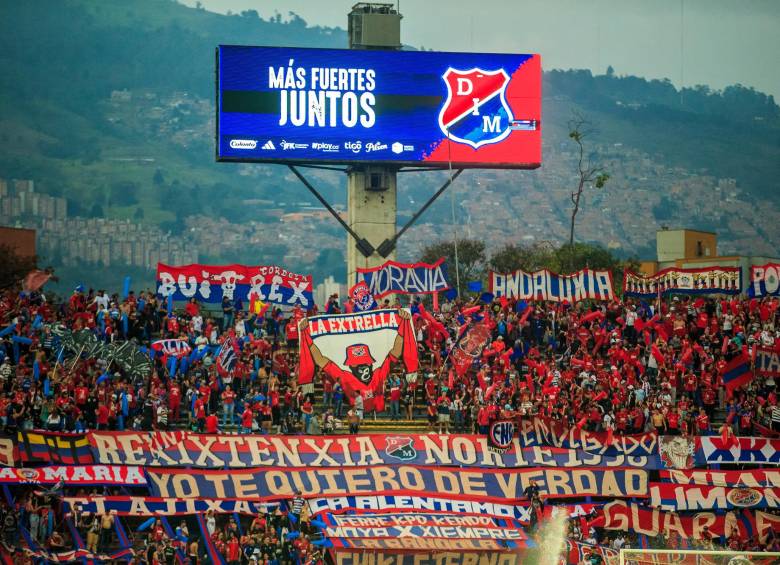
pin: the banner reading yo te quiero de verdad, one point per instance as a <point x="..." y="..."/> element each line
<point x="210" y="283"/>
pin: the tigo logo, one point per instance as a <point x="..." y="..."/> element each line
<point x="269" y="145"/>
<point x="243" y="143"/>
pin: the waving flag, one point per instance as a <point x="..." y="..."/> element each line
<point x="172" y="347"/>
<point x="226" y="358"/>
<point x="737" y="373"/>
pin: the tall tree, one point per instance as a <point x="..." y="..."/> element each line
<point x="513" y="256"/>
<point x="588" y="173"/>
<point x="470" y="264"/>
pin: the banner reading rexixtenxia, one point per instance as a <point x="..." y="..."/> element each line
<point x="404" y="107"/>
<point x="545" y="285"/>
<point x="406" y="278"/>
<point x="209" y="283"/>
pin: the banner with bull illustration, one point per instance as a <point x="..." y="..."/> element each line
<point x="705" y="280"/>
<point x="357" y="351"/>
<point x="545" y="285"/>
<point x="185" y="449"/>
<point x="405" y="278"/>
<point x="210" y="283"/>
<point x="479" y="484"/>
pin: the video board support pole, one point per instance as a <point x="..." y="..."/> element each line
<point x="372" y="189"/>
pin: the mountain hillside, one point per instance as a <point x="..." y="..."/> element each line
<point x="110" y="105"/>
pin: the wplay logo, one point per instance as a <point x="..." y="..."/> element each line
<point x="476" y="112"/>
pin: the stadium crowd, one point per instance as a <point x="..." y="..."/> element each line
<point x="619" y="367"/>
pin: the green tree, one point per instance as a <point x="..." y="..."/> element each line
<point x="470" y="264"/>
<point x="139" y="213"/>
<point x="158" y="179"/>
<point x="587" y="172"/>
<point x="513" y="256"/>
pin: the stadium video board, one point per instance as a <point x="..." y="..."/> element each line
<point x="410" y="108"/>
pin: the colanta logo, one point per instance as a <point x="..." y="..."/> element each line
<point x="243" y="143"/>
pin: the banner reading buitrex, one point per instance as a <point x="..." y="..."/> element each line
<point x="479" y="484"/>
<point x="705" y="280"/>
<point x="186" y="449"/>
<point x="357" y="350"/>
<point x="547" y="286"/>
<point x="764" y="280"/>
<point x="405" y="278"/>
<point x="210" y="283"/>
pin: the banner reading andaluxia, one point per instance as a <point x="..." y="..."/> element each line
<point x="210" y="283"/>
<point x="764" y="280"/>
<point x="478" y="484"/>
<point x="547" y="286"/>
<point x="669" y="496"/>
<point x="357" y="350"/>
<point x="405" y="278"/>
<point x="705" y="280"/>
<point x="185" y="449"/>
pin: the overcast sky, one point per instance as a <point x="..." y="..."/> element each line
<point x="722" y="41"/>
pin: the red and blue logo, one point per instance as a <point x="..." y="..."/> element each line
<point x="476" y="112"/>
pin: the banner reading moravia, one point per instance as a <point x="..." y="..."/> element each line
<point x="357" y="350"/>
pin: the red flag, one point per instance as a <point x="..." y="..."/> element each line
<point x="35" y="280"/>
<point x="659" y="357"/>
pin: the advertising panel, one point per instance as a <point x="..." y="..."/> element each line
<point x="423" y="108"/>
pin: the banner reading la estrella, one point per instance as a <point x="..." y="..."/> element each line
<point x="764" y="280"/>
<point x="547" y="286"/>
<point x="209" y="283"/>
<point x="406" y="278"/>
<point x="357" y="351"/>
<point x="272" y="483"/>
<point x="705" y="280"/>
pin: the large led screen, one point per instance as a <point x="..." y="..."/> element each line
<point x="410" y="108"/>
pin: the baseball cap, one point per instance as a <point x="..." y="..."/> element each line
<point x="358" y="354"/>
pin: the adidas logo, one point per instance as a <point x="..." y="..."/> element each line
<point x="269" y="145"/>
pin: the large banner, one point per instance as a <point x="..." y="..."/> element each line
<point x="399" y="505"/>
<point x="669" y="496"/>
<point x="547" y="286"/>
<point x="427" y="531"/>
<point x="706" y="280"/>
<point x="539" y="431"/>
<point x="185" y="449"/>
<point x="747" y="450"/>
<point x="405" y="278"/>
<point x="357" y="350"/>
<point x="764" y="280"/>
<point x="291" y="105"/>
<point x="495" y="485"/>
<point x="150" y="506"/>
<point x="75" y="475"/>
<point x="624" y="516"/>
<point x="767" y="361"/>
<point x="417" y="519"/>
<point x="209" y="283"/>
<point x="753" y="479"/>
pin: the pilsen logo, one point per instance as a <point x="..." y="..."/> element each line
<point x="401" y="448"/>
<point x="476" y="112"/>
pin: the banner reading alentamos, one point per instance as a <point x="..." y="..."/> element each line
<point x="274" y="483"/>
<point x="538" y="443"/>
